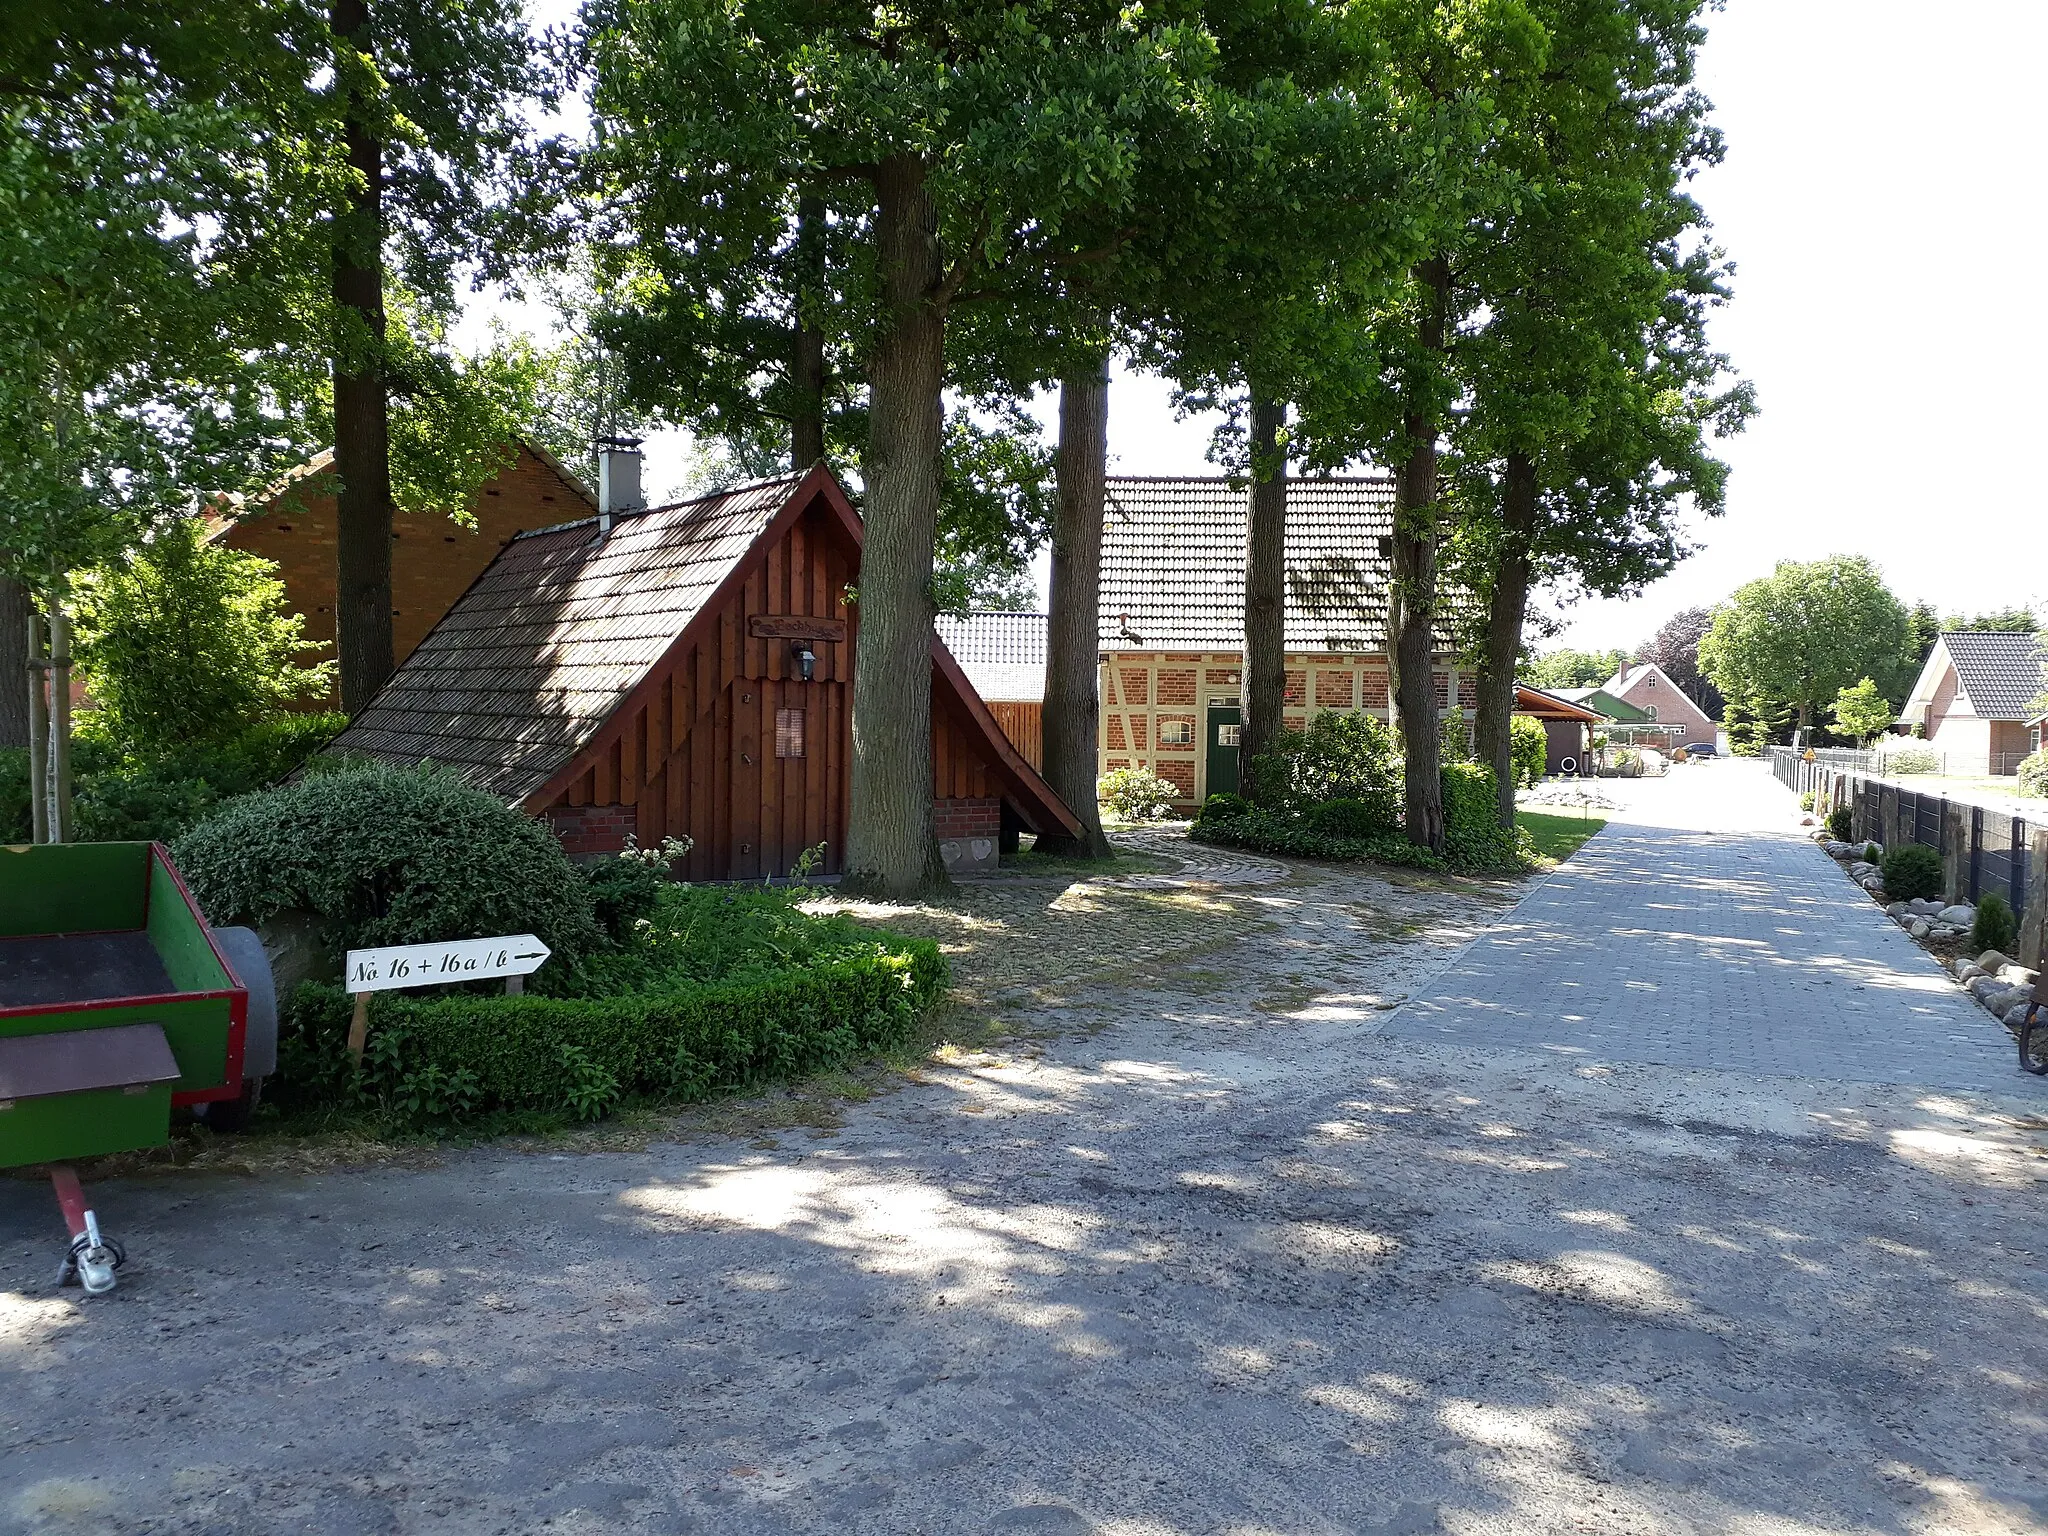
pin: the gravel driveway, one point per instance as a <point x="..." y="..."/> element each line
<point x="1223" y="1240"/>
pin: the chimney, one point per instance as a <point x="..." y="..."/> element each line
<point x="618" y="480"/>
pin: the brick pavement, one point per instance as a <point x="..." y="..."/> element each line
<point x="1700" y="929"/>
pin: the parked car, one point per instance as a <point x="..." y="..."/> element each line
<point x="1702" y="749"/>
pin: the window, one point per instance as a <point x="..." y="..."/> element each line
<point x="789" y="733"/>
<point x="1176" y="733"/>
<point x="1227" y="735"/>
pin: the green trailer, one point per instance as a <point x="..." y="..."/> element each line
<point x="118" y="1005"/>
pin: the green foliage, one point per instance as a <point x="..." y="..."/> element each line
<point x="1528" y="750"/>
<point x="1995" y="926"/>
<point x="1222" y="807"/>
<point x="185" y="642"/>
<point x="1872" y="853"/>
<point x="995" y="510"/>
<point x="391" y="857"/>
<point x="705" y="933"/>
<point x="2033" y="774"/>
<point x="1136" y="794"/>
<point x="1567" y="668"/>
<point x="1345" y="818"/>
<point x="1753" y="724"/>
<point x="1339" y="755"/>
<point x="1806" y="800"/>
<point x="1913" y="760"/>
<point x="1287" y="835"/>
<point x="1473" y="835"/>
<point x="1911" y="873"/>
<point x="462" y="1056"/>
<point x="1840" y="820"/>
<point x="119" y="797"/>
<point x="1805" y="632"/>
<point x="1347" y="830"/>
<point x="2011" y="620"/>
<point x="1861" y="711"/>
<point x="625" y="888"/>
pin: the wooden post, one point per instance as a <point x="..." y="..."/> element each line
<point x="60" y="723"/>
<point x="359" y="1028"/>
<point x="2034" y="921"/>
<point x="515" y="986"/>
<point x="38" y="730"/>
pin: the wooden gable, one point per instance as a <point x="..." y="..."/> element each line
<point x="724" y="741"/>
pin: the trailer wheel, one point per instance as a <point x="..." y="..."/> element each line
<point x="227" y="1115"/>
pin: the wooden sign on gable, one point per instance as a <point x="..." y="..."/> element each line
<point x="794" y="626"/>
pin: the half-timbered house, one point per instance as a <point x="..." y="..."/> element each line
<point x="687" y="670"/>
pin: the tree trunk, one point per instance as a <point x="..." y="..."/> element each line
<point x="891" y="847"/>
<point x="38" y="731"/>
<point x="807" y="365"/>
<point x="362" y="420"/>
<point x="1493" y="726"/>
<point x="1415" y="560"/>
<point x="15" y="610"/>
<point x="1073" y="708"/>
<point x="60" y="723"/>
<point x="1265" y="588"/>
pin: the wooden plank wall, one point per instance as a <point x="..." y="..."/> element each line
<point x="697" y="756"/>
<point x="1024" y="723"/>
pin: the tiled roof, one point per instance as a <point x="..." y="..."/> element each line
<point x="1003" y="654"/>
<point x="1999" y="670"/>
<point x="536" y="655"/>
<point x="995" y="638"/>
<point x="1173" y="553"/>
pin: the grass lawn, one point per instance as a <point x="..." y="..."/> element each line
<point x="1558" y="837"/>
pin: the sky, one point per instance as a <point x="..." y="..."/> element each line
<point x="1881" y="199"/>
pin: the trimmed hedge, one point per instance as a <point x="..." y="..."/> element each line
<point x="457" y="1056"/>
<point x="390" y="856"/>
<point x="1341" y="830"/>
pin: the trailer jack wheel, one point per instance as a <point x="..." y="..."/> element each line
<point x="92" y="1257"/>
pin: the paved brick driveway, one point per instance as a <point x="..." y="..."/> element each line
<point x="1701" y="930"/>
<point x="1202" y="1249"/>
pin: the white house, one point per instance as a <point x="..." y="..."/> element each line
<point x="1976" y="696"/>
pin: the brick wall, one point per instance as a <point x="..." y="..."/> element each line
<point x="1176" y="686"/>
<point x="587" y="831"/>
<point x="433" y="559"/>
<point x="967" y="818"/>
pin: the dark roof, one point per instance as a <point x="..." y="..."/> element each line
<point x="554" y="634"/>
<point x="2000" y="670"/>
<point x="1173" y="552"/>
<point x="1002" y="653"/>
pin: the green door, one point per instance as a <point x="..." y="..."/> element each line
<point x="1224" y="724"/>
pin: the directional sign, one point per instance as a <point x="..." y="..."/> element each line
<point x="429" y="965"/>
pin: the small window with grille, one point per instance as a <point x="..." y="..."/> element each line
<point x="789" y="733"/>
<point x="1176" y="733"/>
<point x="1227" y="735"/>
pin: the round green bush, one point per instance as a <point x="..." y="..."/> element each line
<point x="2034" y="774"/>
<point x="1346" y="818"/>
<point x="1912" y="873"/>
<point x="387" y="856"/>
<point x="1136" y="794"/>
<point x="1840" y="821"/>
<point x="1222" y="807"/>
<point x="1996" y="927"/>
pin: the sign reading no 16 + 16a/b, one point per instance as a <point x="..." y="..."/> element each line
<point x="427" y="965"/>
